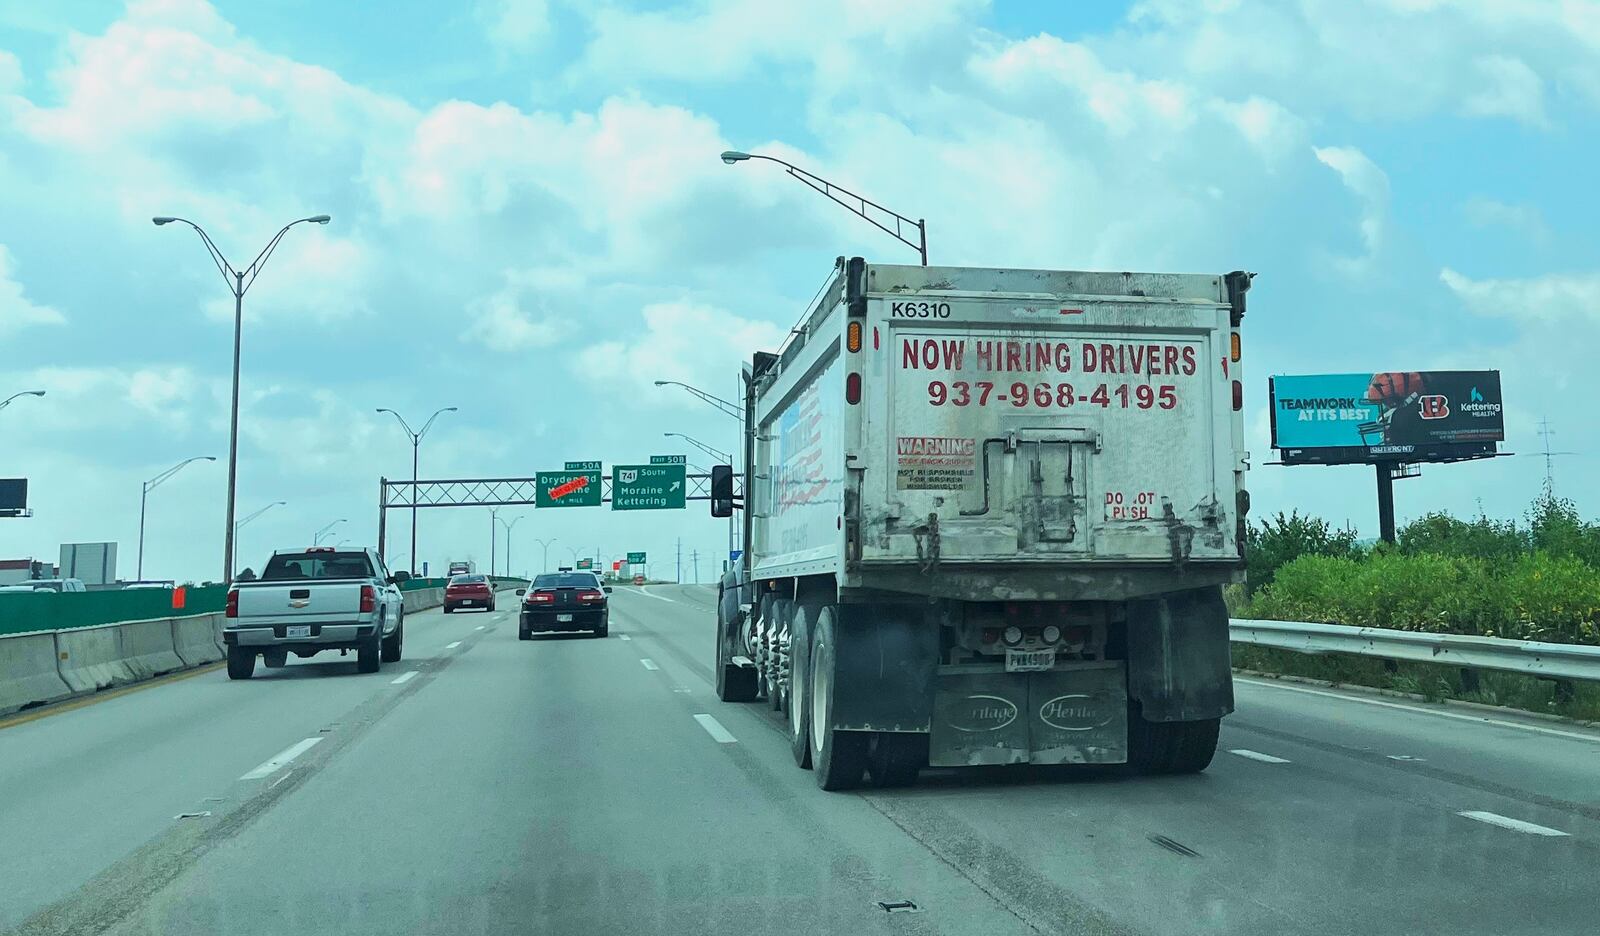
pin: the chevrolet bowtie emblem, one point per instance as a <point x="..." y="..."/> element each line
<point x="299" y="602"/>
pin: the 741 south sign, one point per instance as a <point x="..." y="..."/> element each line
<point x="648" y="487"/>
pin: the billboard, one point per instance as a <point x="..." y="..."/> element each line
<point x="1403" y="416"/>
<point x="13" y="497"/>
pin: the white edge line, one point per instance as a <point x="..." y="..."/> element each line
<point x="625" y="637"/>
<point x="479" y="627"/>
<point x="1479" y="719"/>
<point x="649" y="664"/>
<point x="715" y="730"/>
<point x="1258" y="756"/>
<point x="1506" y="822"/>
<point x="277" y="761"/>
<point x="452" y="646"/>
<point x="403" y="677"/>
<point x="649" y="594"/>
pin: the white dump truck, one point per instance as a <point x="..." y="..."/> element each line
<point x="989" y="515"/>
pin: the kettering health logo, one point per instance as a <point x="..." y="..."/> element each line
<point x="1475" y="406"/>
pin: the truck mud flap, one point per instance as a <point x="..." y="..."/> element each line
<point x="1179" y="664"/>
<point x="1077" y="715"/>
<point x="884" y="662"/>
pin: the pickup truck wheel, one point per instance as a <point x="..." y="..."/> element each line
<point x="895" y="759"/>
<point x="799" y="683"/>
<point x="394" y="644"/>
<point x="369" y="655"/>
<point x="782" y="622"/>
<point x="734" y="683"/>
<point x="241" y="662"/>
<point x="838" y="757"/>
<point x="274" y="658"/>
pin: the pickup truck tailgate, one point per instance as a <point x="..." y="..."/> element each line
<point x="312" y="602"/>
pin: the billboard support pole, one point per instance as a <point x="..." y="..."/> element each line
<point x="1385" y="501"/>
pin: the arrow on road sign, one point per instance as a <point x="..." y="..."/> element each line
<point x="675" y="486"/>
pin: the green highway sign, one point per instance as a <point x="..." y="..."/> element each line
<point x="567" y="488"/>
<point x="647" y="487"/>
<point x="636" y="558"/>
<point x="586" y="563"/>
<point x="668" y="459"/>
<point x="583" y="466"/>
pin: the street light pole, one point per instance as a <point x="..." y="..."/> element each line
<point x="240" y="525"/>
<point x="238" y="286"/>
<point x="316" y="539"/>
<point x="508" y="526"/>
<point x="7" y="401"/>
<point x="416" y="442"/>
<point x="544" y="565"/>
<point x="144" y="494"/>
<point x="920" y="245"/>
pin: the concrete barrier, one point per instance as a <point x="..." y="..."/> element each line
<point x="90" y="658"/>
<point x="421" y="599"/>
<point x="147" y="647"/>
<point x="195" y="639"/>
<point x="28" y="673"/>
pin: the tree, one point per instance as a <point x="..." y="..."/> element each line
<point x="1282" y="539"/>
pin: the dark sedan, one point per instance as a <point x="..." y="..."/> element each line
<point x="564" y="601"/>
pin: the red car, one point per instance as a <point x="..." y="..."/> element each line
<point x="468" y="591"/>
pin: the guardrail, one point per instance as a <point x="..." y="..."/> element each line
<point x="1527" y="657"/>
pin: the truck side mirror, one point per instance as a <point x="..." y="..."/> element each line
<point x="721" y="490"/>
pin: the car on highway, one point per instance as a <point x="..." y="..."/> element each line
<point x="564" y="601"/>
<point x="47" y="585"/>
<point x="468" y="591"/>
<point x="311" y="600"/>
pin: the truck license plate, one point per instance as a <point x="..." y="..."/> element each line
<point x="1029" y="661"/>
<point x="300" y="630"/>
<point x="563" y="618"/>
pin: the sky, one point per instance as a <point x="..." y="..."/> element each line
<point x="530" y="223"/>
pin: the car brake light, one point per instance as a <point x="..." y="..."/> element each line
<point x="232" y="608"/>
<point x="592" y="596"/>
<point x="540" y="597"/>
<point x="369" y="599"/>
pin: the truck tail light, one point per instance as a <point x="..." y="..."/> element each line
<point x="1233" y="347"/>
<point x="852" y="336"/>
<point x="231" y="609"/>
<point x="369" y="599"/>
<point x="852" y="389"/>
<point x="1238" y="395"/>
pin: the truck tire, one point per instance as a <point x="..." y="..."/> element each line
<point x="369" y="655"/>
<point x="394" y="644"/>
<point x="1194" y="744"/>
<point x="895" y="758"/>
<point x="800" y="626"/>
<point x="241" y="662"/>
<point x="783" y="612"/>
<point x="734" y="683"/>
<point x="839" y="758"/>
<point x="274" y="658"/>
<point x="1170" y="747"/>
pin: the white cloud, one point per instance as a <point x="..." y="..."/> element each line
<point x="1509" y="89"/>
<point x="10" y="72"/>
<point x="502" y="324"/>
<point x="16" y="310"/>
<point x="697" y="344"/>
<point x="1524" y="218"/>
<point x="1369" y="183"/>
<point x="514" y="25"/>
<point x="1552" y="298"/>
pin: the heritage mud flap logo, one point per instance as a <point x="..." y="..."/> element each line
<point x="983" y="713"/>
<point x="1077" y="712"/>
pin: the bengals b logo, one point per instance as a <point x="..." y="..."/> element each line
<point x="1434" y="406"/>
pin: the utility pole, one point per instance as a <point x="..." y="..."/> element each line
<point x="695" y="562"/>
<point x="677" y="574"/>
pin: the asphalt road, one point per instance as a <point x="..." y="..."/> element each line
<point x="576" y="786"/>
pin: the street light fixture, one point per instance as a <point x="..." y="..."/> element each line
<point x="721" y="456"/>
<point x="731" y="409"/>
<point x="544" y="566"/>
<point x="7" y="401"/>
<point x="318" y="537"/>
<point x="416" y="441"/>
<point x="151" y="485"/>
<point x="240" y="525"/>
<point x="920" y="245"/>
<point x="238" y="284"/>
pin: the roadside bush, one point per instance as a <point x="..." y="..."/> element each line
<point x="1494" y="541"/>
<point x="1282" y="539"/>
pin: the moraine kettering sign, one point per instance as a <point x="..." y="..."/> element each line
<point x="1402" y="416"/>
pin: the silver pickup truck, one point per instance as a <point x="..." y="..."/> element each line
<point x="310" y="600"/>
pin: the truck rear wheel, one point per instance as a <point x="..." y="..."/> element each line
<point x="395" y="642"/>
<point x="274" y="658"/>
<point x="783" y="612"/>
<point x="241" y="662"/>
<point x="838" y="757"/>
<point x="894" y="759"/>
<point x="799" y="684"/>
<point x="734" y="683"/>
<point x="369" y="655"/>
<point x="1170" y="747"/>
